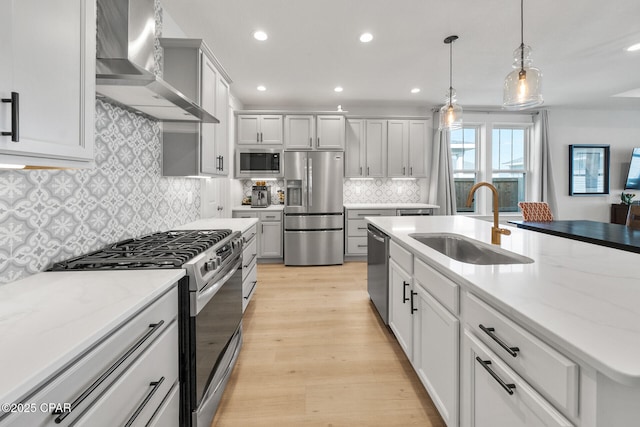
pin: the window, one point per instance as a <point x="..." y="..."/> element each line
<point x="464" y="158"/>
<point x="508" y="166"/>
<point x="495" y="152"/>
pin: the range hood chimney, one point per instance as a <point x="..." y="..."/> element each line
<point x="125" y="62"/>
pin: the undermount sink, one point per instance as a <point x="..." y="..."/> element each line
<point x="464" y="249"/>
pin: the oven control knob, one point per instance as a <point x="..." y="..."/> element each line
<point x="210" y="265"/>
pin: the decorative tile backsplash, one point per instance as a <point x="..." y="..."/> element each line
<point x="379" y="190"/>
<point x="384" y="190"/>
<point x="47" y="216"/>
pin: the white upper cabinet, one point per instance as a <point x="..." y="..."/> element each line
<point x="299" y="132"/>
<point x="375" y="148"/>
<point x="196" y="149"/>
<point x="407" y="148"/>
<point x="331" y="132"/>
<point x="54" y="82"/>
<point x="354" y="162"/>
<point x="314" y="132"/>
<point x="263" y="129"/>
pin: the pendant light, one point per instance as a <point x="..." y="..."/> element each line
<point x="523" y="86"/>
<point x="451" y="112"/>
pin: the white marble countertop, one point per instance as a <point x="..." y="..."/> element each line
<point x="580" y="297"/>
<point x="249" y="208"/>
<point x="390" y="206"/>
<point x="49" y="319"/>
<point x="235" y="224"/>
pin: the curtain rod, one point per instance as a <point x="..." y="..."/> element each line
<point x="472" y="110"/>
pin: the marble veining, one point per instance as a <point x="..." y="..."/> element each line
<point x="581" y="298"/>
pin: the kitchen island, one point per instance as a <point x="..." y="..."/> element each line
<point x="577" y="302"/>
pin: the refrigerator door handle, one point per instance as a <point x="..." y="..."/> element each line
<point x="310" y="182"/>
<point x="305" y="186"/>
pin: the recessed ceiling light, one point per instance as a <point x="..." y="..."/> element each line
<point x="338" y="89"/>
<point x="634" y="47"/>
<point x="261" y="88"/>
<point x="415" y="90"/>
<point x="260" y="35"/>
<point x="366" y="37"/>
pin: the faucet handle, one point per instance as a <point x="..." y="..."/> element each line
<point x="504" y="231"/>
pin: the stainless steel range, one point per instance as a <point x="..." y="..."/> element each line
<point x="210" y="305"/>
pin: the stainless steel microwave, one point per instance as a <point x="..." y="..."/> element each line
<point x="259" y="163"/>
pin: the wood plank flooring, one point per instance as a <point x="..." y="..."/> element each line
<point x="316" y="354"/>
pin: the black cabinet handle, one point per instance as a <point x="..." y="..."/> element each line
<point x="63" y="414"/>
<point x="490" y="331"/>
<point x="250" y="261"/>
<point x="485" y="364"/>
<point x="258" y="137"/>
<point x="221" y="163"/>
<point x="15" y="116"/>
<point x="405" y="285"/>
<point x="154" y="387"/>
<point x="413" y="309"/>
<point x="255" y="282"/>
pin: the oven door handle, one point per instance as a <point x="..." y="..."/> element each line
<point x="209" y="291"/>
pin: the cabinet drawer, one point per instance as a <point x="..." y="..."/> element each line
<point x="101" y="366"/>
<point x="249" y="235"/>
<point x="403" y="257"/>
<point x="361" y="213"/>
<point x="249" y="256"/>
<point x="488" y="403"/>
<point x="356" y="245"/>
<point x="244" y="214"/>
<point x="168" y="414"/>
<point x="271" y="216"/>
<point x="356" y="227"/>
<point x="141" y="389"/>
<point x="553" y="375"/>
<point x="249" y="286"/>
<point x="443" y="289"/>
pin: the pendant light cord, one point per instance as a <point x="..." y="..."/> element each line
<point x="522" y="35"/>
<point x="450" y="72"/>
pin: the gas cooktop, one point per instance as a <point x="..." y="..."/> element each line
<point x="169" y="249"/>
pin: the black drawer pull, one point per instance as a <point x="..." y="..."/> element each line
<point x="250" y="261"/>
<point x="248" y="239"/>
<point x="15" y="116"/>
<point x="154" y="387"/>
<point x="490" y="331"/>
<point x="405" y="285"/>
<point x="255" y="282"/>
<point x="63" y="414"/>
<point x="412" y="308"/>
<point x="485" y="364"/>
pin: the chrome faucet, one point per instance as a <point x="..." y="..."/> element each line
<point x="496" y="231"/>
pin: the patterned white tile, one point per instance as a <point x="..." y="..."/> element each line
<point x="48" y="215"/>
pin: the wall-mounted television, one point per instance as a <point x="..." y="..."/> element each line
<point x="633" y="177"/>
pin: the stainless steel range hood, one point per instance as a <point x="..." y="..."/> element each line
<point x="125" y="62"/>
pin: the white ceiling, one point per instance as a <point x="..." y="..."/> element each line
<point x="313" y="46"/>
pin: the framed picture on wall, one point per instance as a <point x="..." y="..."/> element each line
<point x="588" y="169"/>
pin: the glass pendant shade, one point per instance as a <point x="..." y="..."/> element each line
<point x="523" y="85"/>
<point x="450" y="113"/>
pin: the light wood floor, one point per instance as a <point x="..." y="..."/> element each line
<point x="316" y="354"/>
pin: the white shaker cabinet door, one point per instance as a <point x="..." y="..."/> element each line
<point x="400" y="307"/>
<point x="209" y="78"/>
<point x="354" y="149"/>
<point x="299" y="132"/>
<point x="376" y="147"/>
<point x="330" y="132"/>
<point x="397" y="145"/>
<point x="495" y="396"/>
<point x="419" y="148"/>
<point x="48" y="58"/>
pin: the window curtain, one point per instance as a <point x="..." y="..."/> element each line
<point x="442" y="191"/>
<point x="543" y="188"/>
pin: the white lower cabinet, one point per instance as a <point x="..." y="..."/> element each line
<point x="401" y="297"/>
<point x="125" y="379"/>
<point x="435" y="352"/>
<point x="493" y="395"/>
<point x="269" y="229"/>
<point x="356" y="229"/>
<point x="249" y="267"/>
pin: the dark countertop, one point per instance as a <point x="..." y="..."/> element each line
<point x="615" y="236"/>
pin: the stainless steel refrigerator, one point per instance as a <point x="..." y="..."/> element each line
<point x="313" y="219"/>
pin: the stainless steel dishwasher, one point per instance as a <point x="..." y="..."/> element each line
<point x="377" y="270"/>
